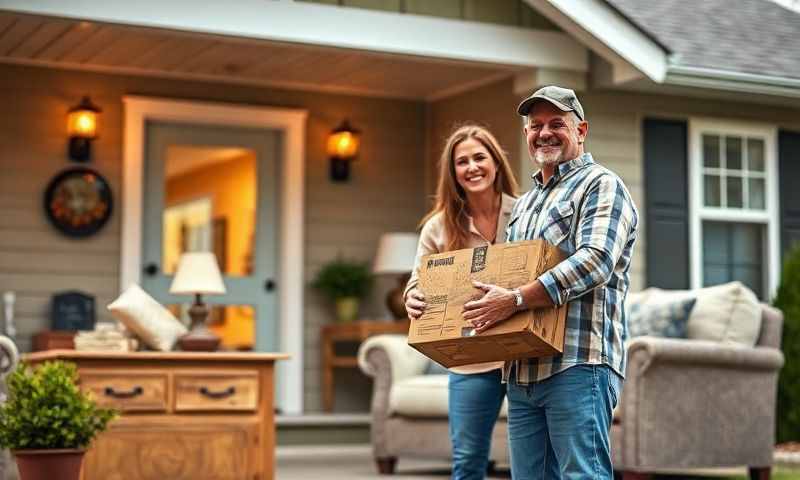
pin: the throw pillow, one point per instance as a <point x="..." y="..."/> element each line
<point x="728" y="313"/>
<point x="665" y="319"/>
<point x="147" y="319"/>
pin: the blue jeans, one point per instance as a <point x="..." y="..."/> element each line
<point x="474" y="403"/>
<point x="559" y="428"/>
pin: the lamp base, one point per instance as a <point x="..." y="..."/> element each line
<point x="192" y="342"/>
<point x="394" y="299"/>
<point x="199" y="338"/>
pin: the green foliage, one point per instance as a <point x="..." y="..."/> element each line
<point x="788" y="301"/>
<point x="343" y="278"/>
<point x="46" y="409"/>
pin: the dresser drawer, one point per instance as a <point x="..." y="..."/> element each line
<point x="220" y="392"/>
<point x="127" y="391"/>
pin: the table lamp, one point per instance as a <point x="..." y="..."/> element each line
<point x="198" y="274"/>
<point x="396" y="252"/>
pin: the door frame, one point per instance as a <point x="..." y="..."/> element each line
<point x="291" y="123"/>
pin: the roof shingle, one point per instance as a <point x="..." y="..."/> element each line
<point x="747" y="36"/>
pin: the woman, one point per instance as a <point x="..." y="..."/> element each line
<point x="474" y="199"/>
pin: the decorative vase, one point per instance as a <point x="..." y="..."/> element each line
<point x="346" y="309"/>
<point x="47" y="464"/>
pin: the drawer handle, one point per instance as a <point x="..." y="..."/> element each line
<point x="223" y="394"/>
<point x="135" y="392"/>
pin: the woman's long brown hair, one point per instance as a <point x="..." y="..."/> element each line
<point x="451" y="200"/>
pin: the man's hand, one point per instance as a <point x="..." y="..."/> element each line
<point x="496" y="305"/>
<point x="415" y="304"/>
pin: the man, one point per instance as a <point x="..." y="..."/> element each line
<point x="560" y="407"/>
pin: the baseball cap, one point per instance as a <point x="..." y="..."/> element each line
<point x="563" y="98"/>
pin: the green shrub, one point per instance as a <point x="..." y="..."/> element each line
<point x="788" y="300"/>
<point x="343" y="278"/>
<point x="45" y="409"/>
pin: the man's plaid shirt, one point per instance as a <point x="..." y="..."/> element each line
<point x="586" y="210"/>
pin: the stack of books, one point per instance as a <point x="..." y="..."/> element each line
<point x="105" y="337"/>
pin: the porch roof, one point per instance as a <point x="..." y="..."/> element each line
<point x="284" y="44"/>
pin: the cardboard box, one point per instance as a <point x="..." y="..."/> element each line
<point x="441" y="332"/>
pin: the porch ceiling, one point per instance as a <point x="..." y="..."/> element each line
<point x="73" y="44"/>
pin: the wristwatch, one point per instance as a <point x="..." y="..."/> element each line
<point x="518" y="300"/>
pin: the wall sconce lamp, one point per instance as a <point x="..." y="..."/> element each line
<point x="343" y="146"/>
<point x="82" y="129"/>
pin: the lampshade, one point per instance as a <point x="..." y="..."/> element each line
<point x="197" y="272"/>
<point x="396" y="252"/>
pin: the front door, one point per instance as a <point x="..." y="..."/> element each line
<point x="214" y="188"/>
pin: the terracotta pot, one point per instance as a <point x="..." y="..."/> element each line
<point x="346" y="309"/>
<point x="63" y="464"/>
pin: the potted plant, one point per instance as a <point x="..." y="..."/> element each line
<point x="345" y="283"/>
<point x="48" y="422"/>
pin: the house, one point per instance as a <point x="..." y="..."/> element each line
<point x="215" y="120"/>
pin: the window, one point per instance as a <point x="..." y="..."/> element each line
<point x="733" y="199"/>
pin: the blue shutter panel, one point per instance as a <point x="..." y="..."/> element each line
<point x="789" y="176"/>
<point x="666" y="191"/>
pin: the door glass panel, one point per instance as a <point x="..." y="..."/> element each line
<point x="235" y="325"/>
<point x="733" y="153"/>
<point x="711" y="189"/>
<point x="210" y="203"/>
<point x="711" y="151"/>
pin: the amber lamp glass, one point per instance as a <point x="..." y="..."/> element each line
<point x="82" y="129"/>
<point x="343" y="146"/>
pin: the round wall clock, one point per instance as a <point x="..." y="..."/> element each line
<point x="78" y="202"/>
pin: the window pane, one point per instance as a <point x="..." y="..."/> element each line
<point x="734" y="189"/>
<point x="755" y="154"/>
<point x="711" y="151"/>
<point x="757" y="195"/>
<point x="716" y="248"/>
<point x="711" y="190"/>
<point x="733" y="153"/>
<point x="734" y="251"/>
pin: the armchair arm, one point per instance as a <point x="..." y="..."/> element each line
<point x="691" y="404"/>
<point x="388" y="359"/>
<point x="404" y="361"/>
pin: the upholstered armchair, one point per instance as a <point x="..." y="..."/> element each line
<point x="9" y="356"/>
<point x="696" y="404"/>
<point x="409" y="407"/>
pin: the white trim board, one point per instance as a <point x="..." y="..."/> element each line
<point x="608" y="33"/>
<point x="292" y="123"/>
<point x="698" y="213"/>
<point x="325" y="25"/>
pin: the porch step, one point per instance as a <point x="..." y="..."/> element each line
<point x="323" y="429"/>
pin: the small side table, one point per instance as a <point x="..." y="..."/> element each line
<point x="349" y="332"/>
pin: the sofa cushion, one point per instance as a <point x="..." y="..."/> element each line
<point x="728" y="313"/>
<point x="423" y="396"/>
<point x="667" y="319"/>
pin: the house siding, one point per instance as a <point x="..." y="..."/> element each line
<point x="385" y="193"/>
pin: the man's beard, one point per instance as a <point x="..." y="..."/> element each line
<point x="542" y="159"/>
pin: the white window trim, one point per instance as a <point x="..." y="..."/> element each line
<point x="292" y="123"/>
<point x="698" y="212"/>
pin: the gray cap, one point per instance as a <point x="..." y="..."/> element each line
<point x="563" y="98"/>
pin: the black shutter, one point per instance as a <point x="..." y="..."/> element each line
<point x="666" y="192"/>
<point x="789" y="178"/>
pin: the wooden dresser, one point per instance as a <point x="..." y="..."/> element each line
<point x="185" y="415"/>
